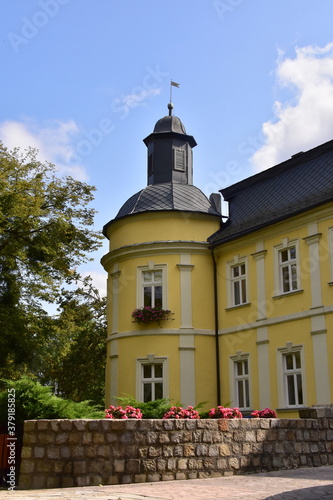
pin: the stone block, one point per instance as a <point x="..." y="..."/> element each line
<point x="103" y="451"/>
<point x="65" y="425"/>
<point x="182" y="463"/>
<point x="224" y="450"/>
<point x="132" y="466"/>
<point x="97" y="437"/>
<point x="27" y="466"/>
<point x="189" y="450"/>
<point x="161" y="464"/>
<point x="53" y="452"/>
<point x="42" y="425"/>
<point x="164" y="437"/>
<point x="140" y="478"/>
<point x="153" y="478"/>
<point x="46" y="438"/>
<point x="178" y="451"/>
<point x="154" y="451"/>
<point x="149" y="465"/>
<point x="168" y="477"/>
<point x="79" y="467"/>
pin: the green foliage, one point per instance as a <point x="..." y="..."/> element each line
<point x="151" y="409"/>
<point x="45" y="234"/>
<point x="34" y="401"/>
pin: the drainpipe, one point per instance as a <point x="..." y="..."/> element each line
<point x="216" y="318"/>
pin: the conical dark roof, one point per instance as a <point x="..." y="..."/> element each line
<point x="168" y="196"/>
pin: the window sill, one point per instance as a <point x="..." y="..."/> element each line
<point x="291" y="409"/>
<point x="238" y="306"/>
<point x="286" y="294"/>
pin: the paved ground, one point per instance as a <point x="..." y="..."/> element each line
<point x="297" y="484"/>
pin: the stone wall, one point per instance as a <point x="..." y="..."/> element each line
<point x="64" y="453"/>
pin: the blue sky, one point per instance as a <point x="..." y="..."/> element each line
<point x="85" y="81"/>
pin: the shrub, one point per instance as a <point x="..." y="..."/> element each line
<point x="123" y="413"/>
<point x="152" y="409"/>
<point x="179" y="412"/>
<point x="266" y="413"/>
<point x="222" y="412"/>
<point x="35" y="401"/>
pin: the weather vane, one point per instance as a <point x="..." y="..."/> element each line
<point x="170" y="105"/>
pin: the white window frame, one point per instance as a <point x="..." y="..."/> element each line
<point x="284" y="373"/>
<point x="235" y="378"/>
<point x="140" y="282"/>
<point x="286" y="245"/>
<point x="237" y="261"/>
<point x="140" y="380"/>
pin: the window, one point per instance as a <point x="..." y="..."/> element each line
<point x="152" y="381"/>
<point x="293" y="378"/>
<point x="238" y="279"/>
<point x="287" y="276"/>
<point x="288" y="269"/>
<point x="242" y="390"/>
<point x="152" y="282"/>
<point x="237" y="290"/>
<point x="151" y="378"/>
<point x="239" y="376"/>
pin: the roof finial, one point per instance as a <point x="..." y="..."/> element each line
<point x="170" y="108"/>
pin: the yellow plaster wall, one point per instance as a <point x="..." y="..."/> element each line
<point x="135" y="347"/>
<point x="205" y="371"/>
<point x="161" y="226"/>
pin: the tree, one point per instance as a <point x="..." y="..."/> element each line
<point x="73" y="360"/>
<point x="45" y="234"/>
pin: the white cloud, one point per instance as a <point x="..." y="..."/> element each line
<point x="307" y="121"/>
<point x="54" y="142"/>
<point x="130" y="101"/>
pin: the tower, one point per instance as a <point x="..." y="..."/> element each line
<point x="159" y="257"/>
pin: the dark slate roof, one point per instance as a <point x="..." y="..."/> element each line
<point x="294" y="186"/>
<point x="169" y="124"/>
<point x="164" y="197"/>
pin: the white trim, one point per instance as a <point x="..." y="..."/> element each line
<point x="160" y="331"/>
<point x="278" y="320"/>
<point x="314" y="264"/>
<point x="263" y="367"/>
<point x="259" y="257"/>
<point x="185" y="267"/>
<point x="187" y="370"/>
<point x="114" y="277"/>
<point x="320" y="359"/>
<point x="151" y="359"/>
<point x="154" y="248"/>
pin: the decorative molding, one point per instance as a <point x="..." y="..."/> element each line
<point x="318" y="332"/>
<point x="185" y="267"/>
<point x="160" y="331"/>
<point x="314" y="238"/>
<point x="259" y="255"/>
<point x="319" y="311"/>
<point x="153" y="248"/>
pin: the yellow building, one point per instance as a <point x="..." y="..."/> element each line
<point x="251" y="297"/>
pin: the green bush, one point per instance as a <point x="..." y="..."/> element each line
<point x="152" y="409"/>
<point x="35" y="401"/>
